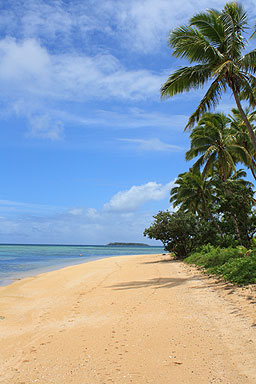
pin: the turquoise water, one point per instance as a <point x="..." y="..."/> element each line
<point x="18" y="261"/>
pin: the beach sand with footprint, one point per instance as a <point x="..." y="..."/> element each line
<point x="135" y="319"/>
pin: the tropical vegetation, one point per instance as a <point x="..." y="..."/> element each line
<point x="215" y="42"/>
<point x="213" y="222"/>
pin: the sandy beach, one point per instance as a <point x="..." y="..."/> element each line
<point x="134" y="319"/>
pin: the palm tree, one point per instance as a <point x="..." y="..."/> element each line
<point x="213" y="40"/>
<point x="211" y="140"/>
<point x="194" y="193"/>
<point x="241" y="136"/>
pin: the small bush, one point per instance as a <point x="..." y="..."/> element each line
<point x="240" y="271"/>
<point x="209" y="256"/>
<point x="237" y="265"/>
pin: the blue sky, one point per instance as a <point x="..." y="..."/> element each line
<point x="88" y="151"/>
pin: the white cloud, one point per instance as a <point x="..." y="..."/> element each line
<point x="41" y="61"/>
<point x="140" y="25"/>
<point x="29" y="75"/>
<point x="92" y="214"/>
<point x="145" y="24"/>
<point x="132" y="118"/>
<point x="123" y="218"/>
<point x="43" y="126"/>
<point x="47" y="20"/>
<point x="75" y="211"/>
<point x="31" y="78"/>
<point x="153" y="145"/>
<point x="136" y="196"/>
<point x="24" y="61"/>
<point x="66" y="228"/>
<point x="13" y="207"/>
<point x="28" y="68"/>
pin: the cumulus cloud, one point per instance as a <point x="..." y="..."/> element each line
<point x="120" y="219"/>
<point x="134" y="197"/>
<point x="23" y="61"/>
<point x="153" y="145"/>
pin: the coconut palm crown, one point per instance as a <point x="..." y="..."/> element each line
<point x="214" y="42"/>
<point x="241" y="136"/>
<point x="212" y="141"/>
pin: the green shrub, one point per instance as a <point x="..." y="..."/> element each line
<point x="209" y="256"/>
<point x="180" y="232"/>
<point x="237" y="265"/>
<point x="240" y="271"/>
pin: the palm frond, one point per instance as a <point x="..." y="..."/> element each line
<point x="248" y="62"/>
<point x="253" y="35"/>
<point x="199" y="163"/>
<point x="210" y="100"/>
<point x="189" y="43"/>
<point x="227" y="66"/>
<point x="209" y="165"/>
<point x="238" y="14"/>
<point x="235" y="21"/>
<point x="247" y="88"/>
<point x="208" y="25"/>
<point x="241" y="153"/>
<point x="184" y="79"/>
<point x="210" y="150"/>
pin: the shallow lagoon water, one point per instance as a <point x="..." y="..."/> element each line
<point x="19" y="261"/>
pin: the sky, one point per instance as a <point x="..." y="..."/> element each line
<point x="88" y="150"/>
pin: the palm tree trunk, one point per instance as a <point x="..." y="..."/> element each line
<point x="244" y="117"/>
<point x="236" y="226"/>
<point x="252" y="166"/>
<point x="211" y="217"/>
<point x="252" y="171"/>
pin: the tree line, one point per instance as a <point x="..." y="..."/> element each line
<point x="213" y="201"/>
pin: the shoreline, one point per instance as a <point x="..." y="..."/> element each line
<point x="18" y="262"/>
<point x="17" y="276"/>
<point x="55" y="268"/>
<point x="129" y="319"/>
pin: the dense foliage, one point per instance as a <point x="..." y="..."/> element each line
<point x="234" y="264"/>
<point x="214" y="201"/>
<point x="180" y="232"/>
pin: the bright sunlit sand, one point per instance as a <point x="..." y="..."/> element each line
<point x="135" y="319"/>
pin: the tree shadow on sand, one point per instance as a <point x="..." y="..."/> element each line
<point x="164" y="261"/>
<point x="157" y="283"/>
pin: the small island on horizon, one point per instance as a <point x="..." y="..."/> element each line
<point x="127" y="244"/>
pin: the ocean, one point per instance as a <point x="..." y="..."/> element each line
<point x="19" y="261"/>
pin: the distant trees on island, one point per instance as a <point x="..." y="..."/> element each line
<point x="215" y="205"/>
<point x="128" y="244"/>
